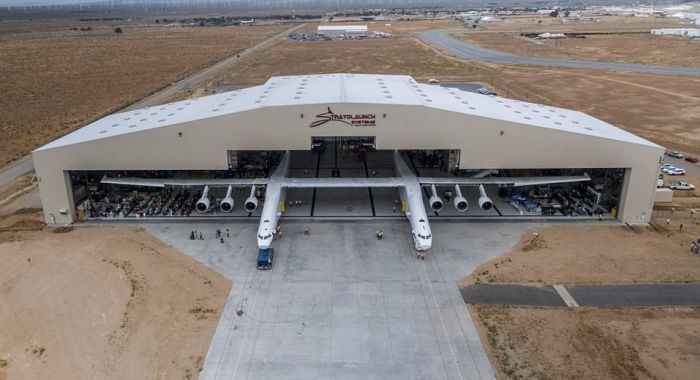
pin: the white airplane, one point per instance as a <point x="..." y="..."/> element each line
<point x="247" y="22"/>
<point x="409" y="185"/>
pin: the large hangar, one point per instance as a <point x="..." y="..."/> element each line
<point x="339" y="129"/>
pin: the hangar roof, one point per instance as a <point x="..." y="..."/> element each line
<point x="354" y="28"/>
<point x="346" y="88"/>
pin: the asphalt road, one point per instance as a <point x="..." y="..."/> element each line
<point x="445" y="41"/>
<point x="24" y="166"/>
<point x="638" y="295"/>
<point x="512" y="295"/>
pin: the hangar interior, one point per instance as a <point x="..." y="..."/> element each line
<point x="348" y="157"/>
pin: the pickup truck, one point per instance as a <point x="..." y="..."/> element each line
<point x="265" y="257"/>
<point x="682" y="186"/>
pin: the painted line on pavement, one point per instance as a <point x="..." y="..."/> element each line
<point x="565" y="296"/>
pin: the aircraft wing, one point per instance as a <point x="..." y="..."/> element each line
<point x="343" y="182"/>
<point x="175" y="182"/>
<point x="504" y="181"/>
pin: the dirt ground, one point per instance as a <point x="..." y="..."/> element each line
<point x="391" y="56"/>
<point x="57" y="80"/>
<point x="626" y="48"/>
<point x="532" y="23"/>
<point x="100" y="302"/>
<point x="589" y="253"/>
<point x="662" y="108"/>
<point x="591" y="343"/>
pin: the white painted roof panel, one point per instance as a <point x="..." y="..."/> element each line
<point x="346" y="88"/>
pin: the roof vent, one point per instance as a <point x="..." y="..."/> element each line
<point x="215" y="110"/>
<point x="103" y="131"/>
<point x="472" y="108"/>
<point x="132" y="126"/>
<point x="557" y="122"/>
<point x="575" y="122"/>
<point x="389" y="96"/>
<point x="257" y="101"/>
<point x="115" y="125"/>
<point x="588" y="128"/>
<point x="142" y="120"/>
<point x="528" y="117"/>
<point x="179" y="109"/>
<point x="161" y="120"/>
<point x="171" y="114"/>
<point x="546" y="117"/>
<point x="127" y="118"/>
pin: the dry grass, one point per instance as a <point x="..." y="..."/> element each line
<point x="53" y="82"/>
<point x="662" y="108"/>
<point x="531" y="23"/>
<point x="561" y="343"/>
<point x="589" y="253"/>
<point x="627" y="48"/>
<point x="392" y="56"/>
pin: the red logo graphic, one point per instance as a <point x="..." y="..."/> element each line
<point x="355" y="120"/>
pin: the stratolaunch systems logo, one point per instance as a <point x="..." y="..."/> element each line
<point x="355" y="120"/>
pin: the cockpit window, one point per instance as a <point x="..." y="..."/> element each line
<point x="424" y="236"/>
<point x="421" y="220"/>
<point x="265" y="237"/>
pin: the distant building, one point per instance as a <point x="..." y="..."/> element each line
<point x="685" y="32"/>
<point x="342" y="30"/>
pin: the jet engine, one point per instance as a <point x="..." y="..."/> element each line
<point x="484" y="201"/>
<point x="435" y="201"/>
<point x="203" y="203"/>
<point x="460" y="202"/>
<point x="252" y="202"/>
<point x="226" y="204"/>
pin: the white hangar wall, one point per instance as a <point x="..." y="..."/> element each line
<point x="484" y="143"/>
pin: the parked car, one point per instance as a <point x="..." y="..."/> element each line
<point x="265" y="257"/>
<point x="692" y="159"/>
<point x="675" y="154"/>
<point x="682" y="186"/>
<point x="668" y="169"/>
<point x="676" y="171"/>
<point x="485" y="91"/>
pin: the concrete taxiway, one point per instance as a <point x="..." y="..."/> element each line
<point x="339" y="303"/>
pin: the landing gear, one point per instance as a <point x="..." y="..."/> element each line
<point x="421" y="255"/>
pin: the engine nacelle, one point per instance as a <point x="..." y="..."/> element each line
<point x="252" y="202"/>
<point x="460" y="202"/>
<point x="226" y="204"/>
<point x="203" y="203"/>
<point x="484" y="201"/>
<point x="435" y="201"/>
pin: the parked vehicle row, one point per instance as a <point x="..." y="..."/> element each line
<point x="672" y="170"/>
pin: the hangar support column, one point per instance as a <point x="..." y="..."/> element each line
<point x="56" y="194"/>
